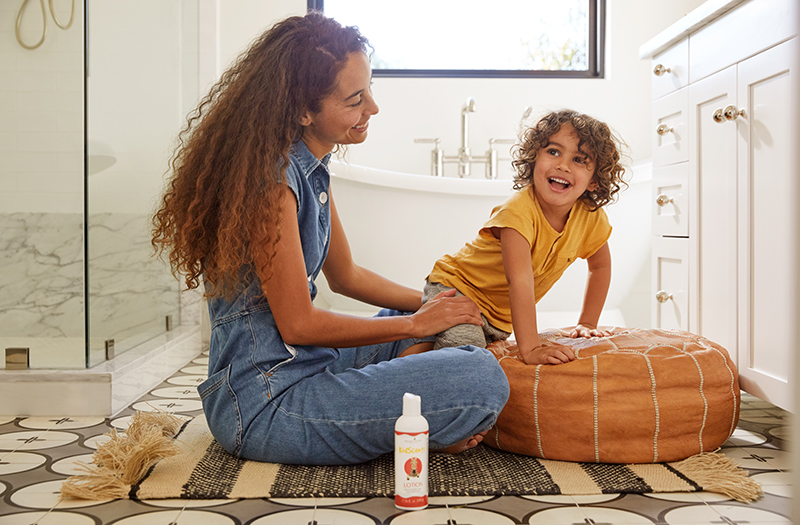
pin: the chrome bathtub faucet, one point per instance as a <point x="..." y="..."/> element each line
<point x="464" y="158"/>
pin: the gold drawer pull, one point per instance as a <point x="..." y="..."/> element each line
<point x="663" y="129"/>
<point x="662" y="296"/>
<point x="663" y="200"/>
<point x="660" y="70"/>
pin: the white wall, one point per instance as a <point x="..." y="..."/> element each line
<point x="41" y="113"/>
<point x="243" y="20"/>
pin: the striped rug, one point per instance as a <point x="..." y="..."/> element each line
<point x="201" y="469"/>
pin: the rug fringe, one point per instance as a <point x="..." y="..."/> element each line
<point x="716" y="472"/>
<point x="125" y="458"/>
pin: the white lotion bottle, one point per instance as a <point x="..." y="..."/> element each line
<point x="411" y="456"/>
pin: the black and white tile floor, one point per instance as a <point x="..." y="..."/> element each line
<point x="38" y="453"/>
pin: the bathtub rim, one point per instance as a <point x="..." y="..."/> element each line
<point x="415" y="182"/>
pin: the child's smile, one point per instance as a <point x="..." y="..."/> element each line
<point x="557" y="183"/>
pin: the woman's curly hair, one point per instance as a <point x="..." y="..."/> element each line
<point x="594" y="137"/>
<point x="218" y="212"/>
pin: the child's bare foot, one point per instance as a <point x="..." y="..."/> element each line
<point x="461" y="446"/>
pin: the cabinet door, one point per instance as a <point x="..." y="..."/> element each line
<point x="671" y="282"/>
<point x="713" y="186"/>
<point x="768" y="237"/>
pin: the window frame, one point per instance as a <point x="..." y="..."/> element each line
<point x="595" y="54"/>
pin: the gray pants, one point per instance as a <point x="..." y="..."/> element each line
<point x="462" y="334"/>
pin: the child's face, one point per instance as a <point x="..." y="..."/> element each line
<point x="562" y="171"/>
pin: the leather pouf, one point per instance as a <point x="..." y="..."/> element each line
<point x="638" y="396"/>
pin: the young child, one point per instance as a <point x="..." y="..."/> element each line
<point x="567" y="169"/>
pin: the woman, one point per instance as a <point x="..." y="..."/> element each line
<point x="249" y="210"/>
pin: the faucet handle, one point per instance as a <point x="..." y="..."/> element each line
<point x="437" y="156"/>
<point x="492" y="155"/>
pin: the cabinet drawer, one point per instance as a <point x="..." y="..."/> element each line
<point x="670" y="70"/>
<point x="752" y="27"/>
<point x="671" y="200"/>
<point x="670" y="283"/>
<point x="669" y="128"/>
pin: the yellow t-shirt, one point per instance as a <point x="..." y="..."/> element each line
<point x="476" y="270"/>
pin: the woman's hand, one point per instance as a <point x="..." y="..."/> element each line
<point x="548" y="353"/>
<point x="587" y="331"/>
<point x="445" y="311"/>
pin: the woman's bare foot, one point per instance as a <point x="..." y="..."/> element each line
<point x="466" y="444"/>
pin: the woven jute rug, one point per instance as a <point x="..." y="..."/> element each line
<point x="146" y="462"/>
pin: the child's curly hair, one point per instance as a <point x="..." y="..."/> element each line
<point x="595" y="136"/>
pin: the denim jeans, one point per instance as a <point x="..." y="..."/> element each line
<point x="328" y="406"/>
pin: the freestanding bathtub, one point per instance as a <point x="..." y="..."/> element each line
<point x="399" y="224"/>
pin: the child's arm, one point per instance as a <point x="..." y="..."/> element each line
<point x="519" y="274"/>
<point x="597" y="284"/>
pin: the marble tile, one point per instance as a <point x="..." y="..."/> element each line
<point x="42" y="305"/>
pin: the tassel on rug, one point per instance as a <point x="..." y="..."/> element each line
<point x="125" y="458"/>
<point x="716" y="472"/>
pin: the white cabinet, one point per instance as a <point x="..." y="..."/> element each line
<point x="724" y="263"/>
<point x="767" y="86"/>
<point x="713" y="176"/>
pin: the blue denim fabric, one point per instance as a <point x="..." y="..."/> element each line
<point x="269" y="401"/>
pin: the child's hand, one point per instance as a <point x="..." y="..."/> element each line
<point x="548" y="353"/>
<point x="584" y="330"/>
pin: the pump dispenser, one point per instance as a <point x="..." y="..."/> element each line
<point x="411" y="456"/>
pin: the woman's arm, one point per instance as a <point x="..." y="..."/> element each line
<point x="519" y="274"/>
<point x="347" y="278"/>
<point x="301" y="323"/>
<point x="597" y="284"/>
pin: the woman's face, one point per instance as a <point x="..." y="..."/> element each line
<point x="344" y="117"/>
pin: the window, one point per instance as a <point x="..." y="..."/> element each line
<point x="478" y="38"/>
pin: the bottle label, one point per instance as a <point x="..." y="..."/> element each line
<point x="411" y="470"/>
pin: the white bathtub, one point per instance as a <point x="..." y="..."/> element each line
<point x="399" y="224"/>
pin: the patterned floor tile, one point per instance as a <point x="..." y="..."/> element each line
<point x="37" y="453"/>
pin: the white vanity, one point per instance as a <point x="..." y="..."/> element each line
<point x="725" y="104"/>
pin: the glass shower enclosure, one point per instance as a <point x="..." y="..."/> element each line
<point x="94" y="93"/>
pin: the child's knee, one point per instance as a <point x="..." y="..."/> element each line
<point x="461" y="335"/>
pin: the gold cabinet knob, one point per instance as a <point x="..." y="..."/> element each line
<point x="663" y="297"/>
<point x="663" y="129"/>
<point x="732" y="112"/>
<point x="663" y="200"/>
<point x="660" y="70"/>
<point x="718" y="116"/>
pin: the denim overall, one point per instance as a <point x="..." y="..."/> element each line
<point x="268" y="401"/>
